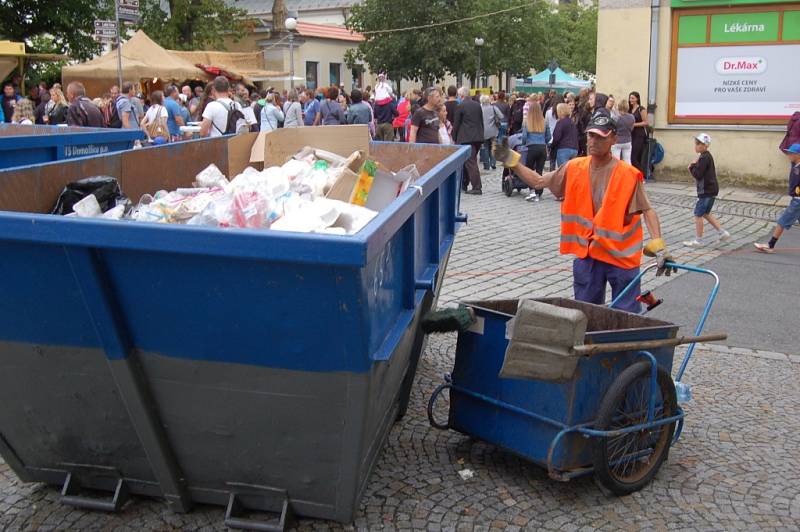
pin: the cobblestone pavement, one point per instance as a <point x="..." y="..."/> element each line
<point x="736" y="466"/>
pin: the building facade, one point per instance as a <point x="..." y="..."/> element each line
<point x="318" y="47"/>
<point x="727" y="68"/>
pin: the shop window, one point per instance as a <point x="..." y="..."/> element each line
<point x="335" y="73"/>
<point x="734" y="64"/>
<point x="312" y="79"/>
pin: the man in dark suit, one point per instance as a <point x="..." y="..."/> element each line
<point x="468" y="130"/>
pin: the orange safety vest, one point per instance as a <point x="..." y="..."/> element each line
<point x="604" y="235"/>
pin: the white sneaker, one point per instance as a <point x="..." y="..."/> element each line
<point x="530" y="196"/>
<point x="536" y="199"/>
<point x="725" y="236"/>
<point x="693" y="243"/>
<point x="763" y="248"/>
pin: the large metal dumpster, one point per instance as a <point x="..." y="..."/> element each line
<point x="25" y="145"/>
<point x="245" y="368"/>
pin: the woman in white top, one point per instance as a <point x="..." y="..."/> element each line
<point x="292" y="111"/>
<point x="270" y="114"/>
<point x="23" y="113"/>
<point x="155" y="111"/>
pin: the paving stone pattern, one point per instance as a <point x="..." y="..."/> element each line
<point x="736" y="466"/>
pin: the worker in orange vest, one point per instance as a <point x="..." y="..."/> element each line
<point x="601" y="216"/>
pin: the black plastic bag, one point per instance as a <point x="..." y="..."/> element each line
<point x="105" y="189"/>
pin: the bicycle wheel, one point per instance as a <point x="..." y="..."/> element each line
<point x="627" y="462"/>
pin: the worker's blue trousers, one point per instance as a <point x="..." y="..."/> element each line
<point x="589" y="278"/>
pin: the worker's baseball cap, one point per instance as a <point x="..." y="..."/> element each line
<point x="601" y="124"/>
<point x="794" y="148"/>
<point x="703" y="138"/>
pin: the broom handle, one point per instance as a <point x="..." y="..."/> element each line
<point x="592" y="349"/>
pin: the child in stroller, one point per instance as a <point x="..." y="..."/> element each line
<point x="510" y="180"/>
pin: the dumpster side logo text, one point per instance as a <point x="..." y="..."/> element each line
<point x="82" y="151"/>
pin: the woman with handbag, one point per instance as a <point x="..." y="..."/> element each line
<point x="155" y="119"/>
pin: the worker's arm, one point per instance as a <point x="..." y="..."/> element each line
<point x="179" y="120"/>
<point x="205" y="127"/>
<point x="652" y="222"/>
<point x="126" y="120"/>
<point x="412" y="134"/>
<point x="531" y="177"/>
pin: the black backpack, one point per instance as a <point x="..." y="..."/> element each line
<point x="234" y="115"/>
<point x="114" y="120"/>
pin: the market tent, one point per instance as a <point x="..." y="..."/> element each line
<point x="244" y="66"/>
<point x="563" y="81"/>
<point x="142" y="59"/>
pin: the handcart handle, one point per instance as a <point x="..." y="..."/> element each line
<point x="703" y="317"/>
<point x="592" y="349"/>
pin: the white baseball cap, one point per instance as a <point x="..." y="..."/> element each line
<point x="703" y="138"/>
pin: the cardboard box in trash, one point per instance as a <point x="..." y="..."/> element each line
<point x="273" y="148"/>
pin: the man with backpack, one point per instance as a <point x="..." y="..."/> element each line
<point x="222" y="116"/>
<point x="123" y="114"/>
<point x="82" y="112"/>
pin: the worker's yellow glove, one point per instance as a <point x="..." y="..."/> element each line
<point x="657" y="248"/>
<point x="506" y="155"/>
<point x="653" y="246"/>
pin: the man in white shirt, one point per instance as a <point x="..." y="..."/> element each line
<point x="215" y="115"/>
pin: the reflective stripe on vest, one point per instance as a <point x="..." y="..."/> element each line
<point x="602" y="235"/>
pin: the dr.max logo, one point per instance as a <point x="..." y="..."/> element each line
<point x="741" y="65"/>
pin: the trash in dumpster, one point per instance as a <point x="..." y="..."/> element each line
<point x="105" y="190"/>
<point x="291" y="197"/>
<point x="314" y="192"/>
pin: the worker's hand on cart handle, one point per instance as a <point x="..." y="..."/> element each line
<point x="657" y="248"/>
<point x="506" y="155"/>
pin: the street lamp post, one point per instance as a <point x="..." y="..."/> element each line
<point x="478" y="44"/>
<point x="291" y="25"/>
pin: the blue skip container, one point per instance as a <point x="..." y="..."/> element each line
<point x="259" y="370"/>
<point x="24" y="145"/>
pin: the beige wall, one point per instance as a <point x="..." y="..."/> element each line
<point x="623" y="50"/>
<point x="742" y="155"/>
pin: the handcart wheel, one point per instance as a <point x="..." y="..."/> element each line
<point x="627" y="462"/>
<point x="508" y="187"/>
<point x="432" y="401"/>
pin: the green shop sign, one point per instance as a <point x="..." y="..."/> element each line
<point x="700" y="3"/>
<point x="745" y="27"/>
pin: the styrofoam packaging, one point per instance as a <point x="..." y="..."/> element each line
<point x="211" y="176"/>
<point x="88" y="207"/>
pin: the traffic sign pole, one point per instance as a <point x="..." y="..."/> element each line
<point x="119" y="45"/>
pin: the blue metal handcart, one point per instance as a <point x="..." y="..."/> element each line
<point x="616" y="417"/>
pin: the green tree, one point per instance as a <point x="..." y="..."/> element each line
<point x="192" y="24"/>
<point x="514" y="41"/>
<point x="67" y="25"/>
<point x="425" y="54"/>
<point x="571" y="38"/>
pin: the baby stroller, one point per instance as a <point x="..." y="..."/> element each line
<point x="510" y="180"/>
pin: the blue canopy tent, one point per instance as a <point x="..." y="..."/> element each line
<point x="541" y="82"/>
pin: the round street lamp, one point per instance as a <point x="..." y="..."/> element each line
<point x="291" y="26"/>
<point x="478" y="44"/>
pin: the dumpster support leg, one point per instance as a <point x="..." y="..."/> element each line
<point x="97" y="293"/>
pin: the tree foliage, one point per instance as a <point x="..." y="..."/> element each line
<point x="192" y="24"/>
<point x="572" y="37"/>
<point x="514" y="42"/>
<point x="66" y="25"/>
